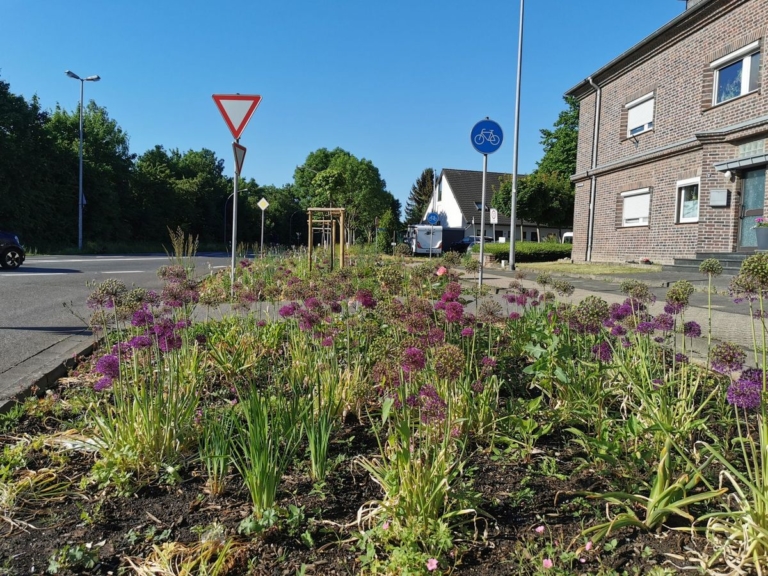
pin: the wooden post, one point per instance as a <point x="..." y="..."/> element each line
<point x="309" y="227"/>
<point x="343" y="244"/>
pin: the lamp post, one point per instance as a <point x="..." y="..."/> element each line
<point x="513" y="208"/>
<point x="94" y="78"/>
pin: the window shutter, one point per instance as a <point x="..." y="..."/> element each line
<point x="641" y="114"/>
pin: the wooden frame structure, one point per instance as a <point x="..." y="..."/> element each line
<point x="332" y="216"/>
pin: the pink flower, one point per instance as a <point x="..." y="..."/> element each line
<point x="540" y="530"/>
<point x="442" y="271"/>
<point x="385" y="526"/>
<point x="431" y="564"/>
<point x="547" y="563"/>
<point x="588" y="547"/>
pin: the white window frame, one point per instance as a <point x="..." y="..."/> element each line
<point x="679" y="200"/>
<point x="635" y="128"/>
<point x="745" y="56"/>
<point x="635" y="220"/>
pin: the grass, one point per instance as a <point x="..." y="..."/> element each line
<point x="597" y="268"/>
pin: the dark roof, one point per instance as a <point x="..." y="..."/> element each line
<point x="467" y="186"/>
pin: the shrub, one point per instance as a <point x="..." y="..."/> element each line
<point x="528" y="251"/>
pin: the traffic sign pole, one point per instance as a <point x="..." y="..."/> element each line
<point x="234" y="233"/>
<point x="486" y="137"/>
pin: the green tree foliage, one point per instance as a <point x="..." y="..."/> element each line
<point x="338" y="178"/>
<point x="546" y="196"/>
<point x="420" y="197"/>
<point x="385" y="234"/>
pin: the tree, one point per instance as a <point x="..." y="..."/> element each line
<point x="560" y="144"/>
<point x="420" y="197"/>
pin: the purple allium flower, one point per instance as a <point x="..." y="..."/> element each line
<point x="673" y="308"/>
<point x="681" y="358"/>
<point x="664" y="322"/>
<point x="454" y="311"/>
<point x="142" y="317"/>
<point x="335" y="307"/>
<point x="618" y="330"/>
<point x="109" y="365"/>
<point x="452" y="292"/>
<point x="366" y="299"/>
<point x="478" y="387"/>
<point x="432" y="406"/>
<point x="440" y="305"/>
<point x="435" y="336"/>
<point x="413" y="360"/>
<point x="103" y="384"/>
<point x="261" y="323"/>
<point x="467" y="332"/>
<point x="140" y="342"/>
<point x="745" y="393"/>
<point x="727" y="357"/>
<point x="288" y="310"/>
<point x="603" y="351"/>
<point x="327" y="341"/>
<point x="625" y="343"/>
<point x="312" y="303"/>
<point x="201" y="339"/>
<point x="645" y="327"/>
<point x="659" y="339"/>
<point x="245" y="263"/>
<point x="535" y="303"/>
<point x="692" y="329"/>
<point x="514" y="315"/>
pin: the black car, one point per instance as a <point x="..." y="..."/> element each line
<point x="466" y="243"/>
<point x="12" y="254"/>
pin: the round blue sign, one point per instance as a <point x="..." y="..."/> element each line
<point x="486" y="136"/>
<point x="433" y="218"/>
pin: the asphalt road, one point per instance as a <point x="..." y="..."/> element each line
<point x="42" y="306"/>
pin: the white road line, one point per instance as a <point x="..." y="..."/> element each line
<point x="105" y="259"/>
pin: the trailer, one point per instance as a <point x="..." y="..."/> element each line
<point x="425" y="239"/>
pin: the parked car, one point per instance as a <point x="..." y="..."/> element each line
<point x="466" y="243"/>
<point x="12" y="254"/>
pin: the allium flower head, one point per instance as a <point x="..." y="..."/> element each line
<point x="108" y="365"/>
<point x="142" y="317"/>
<point x="727" y="357"/>
<point x="413" y="360"/>
<point x="103" y="384"/>
<point x="664" y="322"/>
<point x="467" y="332"/>
<point x="645" y="327"/>
<point x="366" y="299"/>
<point x="592" y="312"/>
<point x="746" y="392"/>
<point x="692" y="329"/>
<point x="680" y="293"/>
<point x="454" y="311"/>
<point x="603" y="351"/>
<point x="711" y="266"/>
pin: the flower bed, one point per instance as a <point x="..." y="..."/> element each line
<point x="383" y="419"/>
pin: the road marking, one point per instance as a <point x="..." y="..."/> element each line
<point x="124" y="272"/>
<point x="35" y="261"/>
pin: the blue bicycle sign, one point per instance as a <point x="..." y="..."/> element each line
<point x="486" y="136"/>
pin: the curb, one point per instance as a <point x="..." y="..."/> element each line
<point x="40" y="372"/>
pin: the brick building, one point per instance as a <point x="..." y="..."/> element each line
<point x="672" y="156"/>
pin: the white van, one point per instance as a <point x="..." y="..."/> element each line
<point x="568" y="238"/>
<point x="425" y="239"/>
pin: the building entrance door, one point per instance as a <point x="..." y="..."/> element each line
<point x="752" y="202"/>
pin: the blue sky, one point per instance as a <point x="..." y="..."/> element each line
<point x="400" y="82"/>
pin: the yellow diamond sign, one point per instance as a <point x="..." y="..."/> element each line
<point x="263" y="204"/>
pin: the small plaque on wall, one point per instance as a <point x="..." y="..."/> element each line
<point x="718" y="198"/>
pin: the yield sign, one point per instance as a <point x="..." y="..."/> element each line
<point x="237" y="110"/>
<point x="239" y="156"/>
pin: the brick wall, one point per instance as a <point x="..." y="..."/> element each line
<point x="676" y="149"/>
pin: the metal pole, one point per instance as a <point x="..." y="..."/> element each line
<point x="80" y="186"/>
<point x="482" y="223"/>
<point x="262" y="233"/>
<point x="234" y="232"/>
<point x="513" y="210"/>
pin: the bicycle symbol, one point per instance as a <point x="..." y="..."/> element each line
<point x="486" y="135"/>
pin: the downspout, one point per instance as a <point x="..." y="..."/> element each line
<point x="593" y="185"/>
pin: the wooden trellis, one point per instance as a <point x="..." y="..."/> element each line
<point x="334" y="217"/>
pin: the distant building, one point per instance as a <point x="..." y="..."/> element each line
<point x="458" y="201"/>
<point x="671" y="154"/>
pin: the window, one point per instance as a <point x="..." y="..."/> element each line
<point x="640" y="115"/>
<point x="478" y="204"/>
<point x="737" y="74"/>
<point x="688" y="200"/>
<point x="636" y="208"/>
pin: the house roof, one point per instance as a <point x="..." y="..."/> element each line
<point x="693" y="18"/>
<point x="467" y="186"/>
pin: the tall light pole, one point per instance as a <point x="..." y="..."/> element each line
<point x="513" y="209"/>
<point x="94" y="78"/>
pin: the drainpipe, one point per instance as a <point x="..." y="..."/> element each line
<point x="593" y="185"/>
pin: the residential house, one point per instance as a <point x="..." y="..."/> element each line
<point x="458" y="201"/>
<point x="671" y="155"/>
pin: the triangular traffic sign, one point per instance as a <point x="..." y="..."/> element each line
<point x="237" y="110"/>
<point x="239" y="156"/>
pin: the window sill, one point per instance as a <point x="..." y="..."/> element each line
<point x="687" y="222"/>
<point x="633" y="226"/>
<point x="734" y="99"/>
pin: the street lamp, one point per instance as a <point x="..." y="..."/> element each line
<point x="94" y="78"/>
<point x="513" y="207"/>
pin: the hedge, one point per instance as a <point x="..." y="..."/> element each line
<point x="528" y="251"/>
